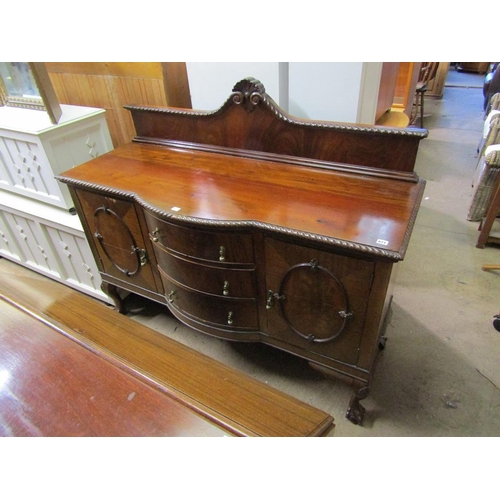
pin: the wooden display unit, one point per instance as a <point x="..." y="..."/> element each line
<point x="251" y="225"/>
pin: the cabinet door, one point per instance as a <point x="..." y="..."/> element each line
<point x="317" y="300"/>
<point x="114" y="231"/>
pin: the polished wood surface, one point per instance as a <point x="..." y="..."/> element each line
<point x="289" y="239"/>
<point x="53" y="386"/>
<point x="217" y="187"/>
<point x="250" y="120"/>
<point x="228" y="399"/>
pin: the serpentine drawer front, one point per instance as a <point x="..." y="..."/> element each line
<point x="226" y="313"/>
<point x="223" y="281"/>
<point x="251" y="225"/>
<point x="213" y="246"/>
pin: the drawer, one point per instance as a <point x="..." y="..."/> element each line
<point x="214" y="279"/>
<point x="215" y="246"/>
<point x="222" y="312"/>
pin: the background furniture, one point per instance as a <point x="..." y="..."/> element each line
<point x="487" y="167"/>
<point x="435" y="87"/>
<point x="38" y="229"/>
<point x="251" y="225"/>
<point x="493" y="206"/>
<point x="404" y="93"/>
<point x="491" y="86"/>
<point x="474" y="67"/>
<point x="428" y="71"/>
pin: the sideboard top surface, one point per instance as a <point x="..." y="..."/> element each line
<point x="365" y="212"/>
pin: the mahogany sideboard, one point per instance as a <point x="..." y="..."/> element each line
<point x="252" y="225"/>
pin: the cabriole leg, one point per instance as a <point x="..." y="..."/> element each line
<point x="356" y="411"/>
<point x="112" y="291"/>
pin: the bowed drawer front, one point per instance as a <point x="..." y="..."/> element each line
<point x="213" y="246"/>
<point x="208" y="276"/>
<point x="227" y="313"/>
<point x="220" y="280"/>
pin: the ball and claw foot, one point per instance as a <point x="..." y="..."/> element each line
<point x="381" y="343"/>
<point x="355" y="413"/>
<point x="496" y="322"/>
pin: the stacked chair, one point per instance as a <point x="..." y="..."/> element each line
<point x="486" y="200"/>
<point x="486" y="175"/>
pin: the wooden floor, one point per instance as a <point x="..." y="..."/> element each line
<point x="72" y="366"/>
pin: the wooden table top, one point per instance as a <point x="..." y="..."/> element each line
<point x="367" y="210"/>
<point x="52" y="386"/>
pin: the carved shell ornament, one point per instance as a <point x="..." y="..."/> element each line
<point x="248" y="93"/>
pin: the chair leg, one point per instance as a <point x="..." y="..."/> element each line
<point x="414" y="111"/>
<point x="422" y="111"/>
<point x="491" y="214"/>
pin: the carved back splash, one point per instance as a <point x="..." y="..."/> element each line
<point x="251" y="121"/>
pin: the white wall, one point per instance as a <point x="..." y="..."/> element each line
<point x="335" y="91"/>
<point x="211" y="83"/>
<point x="325" y="91"/>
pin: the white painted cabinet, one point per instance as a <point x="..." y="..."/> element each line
<point x="37" y="227"/>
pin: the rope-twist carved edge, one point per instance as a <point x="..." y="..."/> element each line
<point x="240" y="224"/>
<point x="250" y="92"/>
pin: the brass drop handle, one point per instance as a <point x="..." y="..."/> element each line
<point x="230" y="318"/>
<point x="222" y="254"/>
<point x="271" y="297"/>
<point x="225" y="288"/>
<point x="170" y="296"/>
<point x="346" y="315"/>
<point x="155" y="234"/>
<point x="143" y="257"/>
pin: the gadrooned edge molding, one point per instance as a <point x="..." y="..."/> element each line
<point x="240" y="224"/>
<point x="250" y="92"/>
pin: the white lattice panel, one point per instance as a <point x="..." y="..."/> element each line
<point x="24" y="168"/>
<point x="49" y="241"/>
<point x="33" y="151"/>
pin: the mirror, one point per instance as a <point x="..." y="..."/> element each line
<point x="27" y="85"/>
